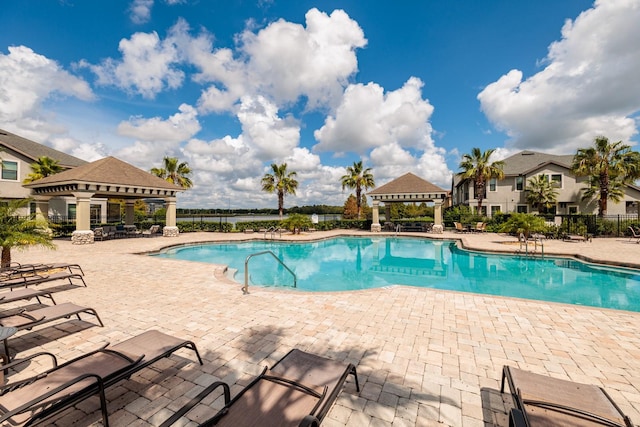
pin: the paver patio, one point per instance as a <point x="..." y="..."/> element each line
<point x="425" y="357"/>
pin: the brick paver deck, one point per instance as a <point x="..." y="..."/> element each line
<point x="425" y="357"/>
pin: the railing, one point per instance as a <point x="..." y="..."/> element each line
<point x="524" y="243"/>
<point x="245" y="288"/>
<point x="273" y="231"/>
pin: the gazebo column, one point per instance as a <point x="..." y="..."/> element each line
<point x="375" y="225"/>
<point x="387" y="212"/>
<point x="83" y="233"/>
<point x="42" y="208"/>
<point x="437" y="216"/>
<point x="129" y="216"/>
<point x="170" y="229"/>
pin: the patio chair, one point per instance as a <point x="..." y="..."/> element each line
<point x="480" y="227"/>
<point x="297" y="391"/>
<point x="26" y="294"/>
<point x="152" y="231"/>
<point x="27" y="319"/>
<point x="634" y="235"/>
<point x="25" y="269"/>
<point x="544" y="401"/>
<point x="38" y="398"/>
<point x="459" y="227"/>
<point x="36" y="279"/>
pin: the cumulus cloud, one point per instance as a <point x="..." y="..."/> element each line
<point x="156" y="137"/>
<point x="368" y="118"/>
<point x="140" y="11"/>
<point x="27" y="80"/>
<point x="588" y="87"/>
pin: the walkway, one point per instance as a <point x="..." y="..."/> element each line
<point x="425" y="357"/>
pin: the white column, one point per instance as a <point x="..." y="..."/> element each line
<point x="170" y="229"/>
<point x="129" y="216"/>
<point x="375" y="225"/>
<point x="83" y="233"/>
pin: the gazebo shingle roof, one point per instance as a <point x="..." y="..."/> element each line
<point x="407" y="183"/>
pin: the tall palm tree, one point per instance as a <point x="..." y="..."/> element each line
<point x="20" y="231"/>
<point x="43" y="167"/>
<point x="541" y="192"/>
<point x="609" y="167"/>
<point x="476" y="166"/>
<point x="174" y="171"/>
<point x="358" y="178"/>
<point x="281" y="182"/>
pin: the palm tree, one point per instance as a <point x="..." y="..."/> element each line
<point x="281" y="182"/>
<point x="541" y="192"/>
<point x="174" y="171"/>
<point x="609" y="167"/>
<point x="20" y="231"/>
<point x="358" y="178"/>
<point x="43" y="167"/>
<point x="476" y="166"/>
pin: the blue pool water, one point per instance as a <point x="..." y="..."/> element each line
<point x="350" y="263"/>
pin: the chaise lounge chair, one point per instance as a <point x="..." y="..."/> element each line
<point x="38" y="398"/>
<point x="14" y="282"/>
<point x="634" y="235"/>
<point x="21" y="269"/>
<point x="297" y="391"/>
<point x="26" y="294"/>
<point x="546" y="401"/>
<point x="27" y="319"/>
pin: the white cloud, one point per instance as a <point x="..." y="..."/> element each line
<point x="368" y="118"/>
<point x="27" y="80"/>
<point x="271" y="136"/>
<point x="290" y="60"/>
<point x="589" y="87"/>
<point x="140" y="11"/>
<point x="148" y="66"/>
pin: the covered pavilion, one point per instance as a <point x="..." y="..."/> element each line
<point x="106" y="178"/>
<point x="407" y="188"/>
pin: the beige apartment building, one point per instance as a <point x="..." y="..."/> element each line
<point x="509" y="194"/>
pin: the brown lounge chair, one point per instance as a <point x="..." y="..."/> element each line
<point x="21" y="269"/>
<point x="297" y="391"/>
<point x="26" y="293"/>
<point x="544" y="401"/>
<point x="18" y="281"/>
<point x="38" y="398"/>
<point x="28" y="319"/>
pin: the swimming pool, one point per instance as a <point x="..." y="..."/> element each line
<point x="350" y="263"/>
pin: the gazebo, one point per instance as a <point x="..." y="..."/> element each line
<point x="407" y="188"/>
<point x="107" y="178"/>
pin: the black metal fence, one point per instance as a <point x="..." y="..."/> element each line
<point x="605" y="226"/>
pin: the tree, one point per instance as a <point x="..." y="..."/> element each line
<point x="43" y="167"/>
<point x="19" y="231"/>
<point x="541" y="192"/>
<point x="476" y="166"/>
<point x="358" y="178"/>
<point x="174" y="171"/>
<point x="280" y="182"/>
<point x="296" y="223"/>
<point x="350" y="208"/>
<point x="523" y="223"/>
<point x="609" y="167"/>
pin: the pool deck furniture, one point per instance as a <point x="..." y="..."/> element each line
<point x="28" y="319"/>
<point x="298" y="390"/>
<point x="38" y="398"/>
<point x="634" y="235"/>
<point x="545" y="401"/>
<point x="152" y="231"/>
<point x="37" y="279"/>
<point x="26" y="294"/>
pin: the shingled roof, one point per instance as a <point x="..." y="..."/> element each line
<point x="33" y="151"/>
<point x="407" y="183"/>
<point x="525" y="161"/>
<point x="109" y="177"/>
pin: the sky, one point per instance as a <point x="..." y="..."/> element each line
<point x="232" y="86"/>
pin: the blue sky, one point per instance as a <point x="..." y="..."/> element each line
<point x="233" y="86"/>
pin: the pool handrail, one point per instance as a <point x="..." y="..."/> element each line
<point x="245" y="288"/>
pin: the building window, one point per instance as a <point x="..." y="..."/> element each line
<point x="495" y="209"/>
<point x="95" y="212"/>
<point x="71" y="212"/>
<point x="573" y="210"/>
<point x="9" y="170"/>
<point x="557" y="180"/>
<point x="522" y="209"/>
<point x="493" y="184"/>
<point x="519" y="183"/>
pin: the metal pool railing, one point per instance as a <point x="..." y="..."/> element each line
<point x="245" y="288"/>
